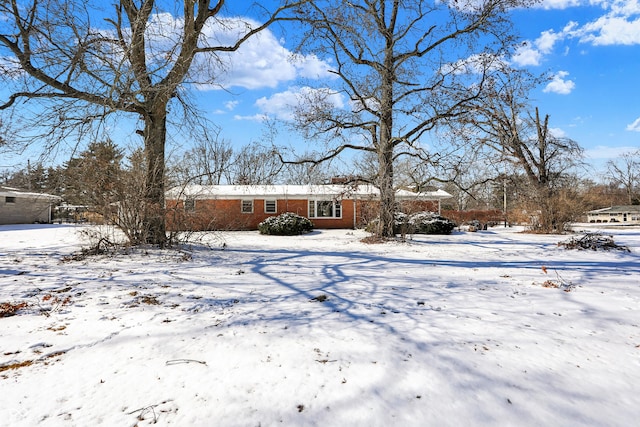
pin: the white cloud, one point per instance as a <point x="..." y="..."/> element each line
<point x="618" y="25"/>
<point x="532" y="52"/>
<point x="231" y="105"/>
<point x="260" y="62"/>
<point x="606" y="152"/>
<point x="10" y="67"/>
<point x="370" y="103"/>
<point x="280" y="105"/>
<point x="310" y="66"/>
<point x="611" y="30"/>
<point x="526" y="55"/>
<point x="635" y="126"/>
<point x="283" y="105"/>
<point x="260" y="118"/>
<point x="228" y="106"/>
<point x="559" y="84"/>
<point x="623" y="7"/>
<point x="474" y="64"/>
<point x="559" y="4"/>
<point x="558" y="133"/>
<point x="547" y="40"/>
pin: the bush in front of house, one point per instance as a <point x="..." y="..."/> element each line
<point x="286" y="224"/>
<point x="418" y="223"/>
<point x="430" y="223"/>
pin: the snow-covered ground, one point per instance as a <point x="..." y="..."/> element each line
<point x="495" y="328"/>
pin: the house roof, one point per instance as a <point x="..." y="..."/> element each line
<point x="616" y="210"/>
<point x="15" y="192"/>
<point x="293" y="191"/>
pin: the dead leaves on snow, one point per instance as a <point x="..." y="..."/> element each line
<point x="8" y="309"/>
<point x="44" y="359"/>
<point x="45" y="304"/>
<point x="558" y="283"/>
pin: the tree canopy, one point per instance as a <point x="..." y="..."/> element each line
<point x="405" y="67"/>
<point x="80" y="62"/>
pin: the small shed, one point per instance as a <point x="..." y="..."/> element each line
<point x="622" y="215"/>
<point x="25" y="207"/>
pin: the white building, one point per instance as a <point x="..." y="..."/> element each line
<point x="623" y="215"/>
<point x="23" y="207"/>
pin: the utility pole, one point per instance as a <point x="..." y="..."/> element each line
<point x="28" y="174"/>
<point x="504" y="200"/>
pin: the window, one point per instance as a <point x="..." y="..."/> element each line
<point x="325" y="209"/>
<point x="247" y="206"/>
<point x="270" y="206"/>
<point x="9" y="199"/>
<point x="190" y="205"/>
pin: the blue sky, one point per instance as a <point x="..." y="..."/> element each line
<point x="592" y="48"/>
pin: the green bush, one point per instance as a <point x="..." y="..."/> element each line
<point x="418" y="223"/>
<point x="286" y="224"/>
<point x="430" y="223"/>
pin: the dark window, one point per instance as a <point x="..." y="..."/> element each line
<point x="325" y="209"/>
<point x="190" y="205"/>
<point x="270" y="206"/>
<point x="247" y="206"/>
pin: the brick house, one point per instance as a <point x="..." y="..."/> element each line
<point x="243" y="207"/>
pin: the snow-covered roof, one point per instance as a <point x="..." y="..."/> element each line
<point x="14" y="192"/>
<point x="293" y="191"/>
<point x="616" y="210"/>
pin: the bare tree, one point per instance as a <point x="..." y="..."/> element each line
<point x="308" y="173"/>
<point x="255" y="164"/>
<point x="504" y="123"/>
<point x="405" y="66"/>
<point x="129" y="193"/>
<point x="625" y="172"/>
<point x="209" y="162"/>
<point x="79" y="62"/>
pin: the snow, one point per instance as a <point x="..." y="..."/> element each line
<point x="289" y="191"/>
<point x="235" y="330"/>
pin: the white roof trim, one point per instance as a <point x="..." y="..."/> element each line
<point x="292" y="191"/>
<point x="14" y="192"/>
<point x="616" y="210"/>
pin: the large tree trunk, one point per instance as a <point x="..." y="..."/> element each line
<point x="385" y="148"/>
<point x="154" y="228"/>
<point x="547" y="221"/>
<point x="387" y="193"/>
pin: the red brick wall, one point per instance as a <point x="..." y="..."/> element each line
<point x="222" y="214"/>
<point x="227" y="215"/>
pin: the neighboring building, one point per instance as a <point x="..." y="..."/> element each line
<point x="623" y="215"/>
<point x="243" y="207"/>
<point x="22" y="207"/>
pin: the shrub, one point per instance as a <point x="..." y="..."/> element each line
<point x="430" y="223"/>
<point x="418" y="223"/>
<point x="286" y="224"/>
